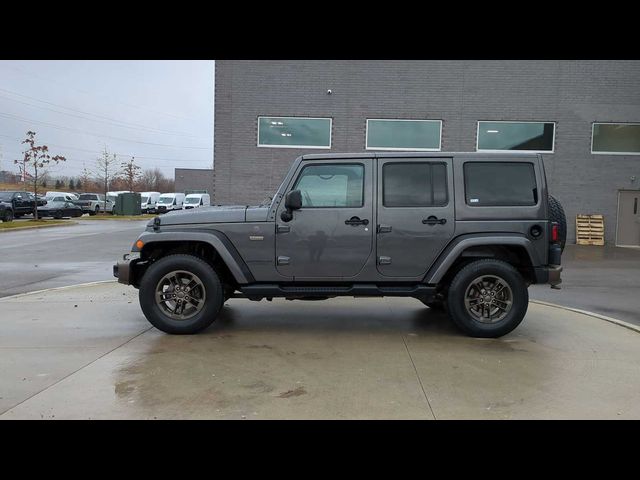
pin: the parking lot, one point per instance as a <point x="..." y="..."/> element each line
<point x="36" y="259"/>
<point x="88" y="352"/>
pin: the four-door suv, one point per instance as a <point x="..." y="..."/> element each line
<point x="465" y="231"/>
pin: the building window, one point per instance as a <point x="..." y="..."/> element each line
<point x="294" y="132"/>
<point x="500" y="184"/>
<point x="388" y="134"/>
<point x="414" y="184"/>
<point x="521" y="136"/>
<point x="331" y="186"/>
<point x="615" y="138"/>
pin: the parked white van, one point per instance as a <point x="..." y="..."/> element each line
<point x="68" y="196"/>
<point x="195" y="200"/>
<point x="169" y="201"/>
<point x="148" y="201"/>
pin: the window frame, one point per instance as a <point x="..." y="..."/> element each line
<point x="316" y="147"/>
<point x="402" y="149"/>
<point x="359" y="164"/>
<point x="593" y="128"/>
<point x="488" y="150"/>
<point x="434" y="205"/>
<point x="475" y="205"/>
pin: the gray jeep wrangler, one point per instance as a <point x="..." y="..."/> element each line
<point x="467" y="232"/>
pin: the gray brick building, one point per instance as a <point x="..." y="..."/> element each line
<point x="193" y="179"/>
<point x="571" y="95"/>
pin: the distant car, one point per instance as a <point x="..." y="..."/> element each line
<point x="71" y="196"/>
<point x="169" y="201"/>
<point x="195" y="200"/>
<point x="93" y="203"/>
<point x="59" y="207"/>
<point x="6" y="211"/>
<point x="22" y="203"/>
<point x="148" y="201"/>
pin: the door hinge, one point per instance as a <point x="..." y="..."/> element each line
<point x="283" y="260"/>
<point x="384" y="228"/>
<point x="384" y="260"/>
<point x="283" y="228"/>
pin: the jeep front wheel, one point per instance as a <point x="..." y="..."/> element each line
<point x="487" y="298"/>
<point x="181" y="294"/>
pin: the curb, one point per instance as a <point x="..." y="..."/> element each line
<point x="19" y="229"/>
<point x="615" y="321"/>
<point x="45" y="290"/>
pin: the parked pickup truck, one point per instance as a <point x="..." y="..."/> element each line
<point x="93" y="203"/>
<point x="467" y="232"/>
<point x="22" y="202"/>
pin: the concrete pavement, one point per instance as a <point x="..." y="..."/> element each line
<point x="88" y="352"/>
<point x="605" y="280"/>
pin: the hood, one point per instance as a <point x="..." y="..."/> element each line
<point x="219" y="214"/>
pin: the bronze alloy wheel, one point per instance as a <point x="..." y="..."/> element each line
<point x="488" y="299"/>
<point x="180" y="295"/>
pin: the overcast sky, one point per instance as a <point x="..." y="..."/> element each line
<point x="160" y="112"/>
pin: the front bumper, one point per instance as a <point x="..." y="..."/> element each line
<point x="123" y="269"/>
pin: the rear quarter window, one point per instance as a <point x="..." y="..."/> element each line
<point x="500" y="184"/>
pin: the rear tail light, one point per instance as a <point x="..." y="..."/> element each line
<point x="555" y="234"/>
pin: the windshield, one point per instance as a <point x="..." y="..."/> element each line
<point x="193" y="200"/>
<point x="6" y="196"/>
<point x="144" y="199"/>
<point x="165" y="200"/>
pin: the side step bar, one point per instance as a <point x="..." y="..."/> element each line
<point x="260" y="291"/>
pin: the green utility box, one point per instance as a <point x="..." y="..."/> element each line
<point x="127" y="204"/>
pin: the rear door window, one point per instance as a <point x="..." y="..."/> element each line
<point x="500" y="184"/>
<point x="415" y="184"/>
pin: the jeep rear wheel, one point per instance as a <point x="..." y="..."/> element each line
<point x="8" y="216"/>
<point x="181" y="294"/>
<point x="487" y="298"/>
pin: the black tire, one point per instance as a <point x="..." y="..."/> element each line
<point x="462" y="282"/>
<point x="212" y="286"/>
<point x="97" y="210"/>
<point x="556" y="214"/>
<point x="58" y="215"/>
<point x="8" y="216"/>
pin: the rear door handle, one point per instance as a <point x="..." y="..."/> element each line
<point x="356" y="221"/>
<point x="433" y="220"/>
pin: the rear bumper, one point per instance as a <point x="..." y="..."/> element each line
<point x="549" y="274"/>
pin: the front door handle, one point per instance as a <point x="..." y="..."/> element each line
<point x="354" y="221"/>
<point x="433" y="220"/>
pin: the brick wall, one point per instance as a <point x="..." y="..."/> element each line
<point x="194" y="179"/>
<point x="571" y="93"/>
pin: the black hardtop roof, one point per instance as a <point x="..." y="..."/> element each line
<point x="397" y="154"/>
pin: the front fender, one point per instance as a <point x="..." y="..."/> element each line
<point x="461" y="243"/>
<point x="218" y="240"/>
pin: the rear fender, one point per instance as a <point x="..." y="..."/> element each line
<point x="455" y="249"/>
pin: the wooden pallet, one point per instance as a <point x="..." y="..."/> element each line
<point x="589" y="229"/>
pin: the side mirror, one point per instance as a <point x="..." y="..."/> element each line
<point x="292" y="201"/>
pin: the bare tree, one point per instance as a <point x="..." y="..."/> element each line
<point x="36" y="158"/>
<point x="106" y="172"/>
<point x="130" y="173"/>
